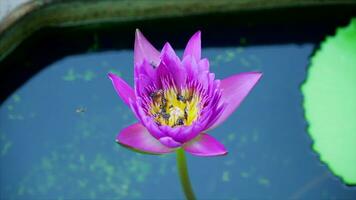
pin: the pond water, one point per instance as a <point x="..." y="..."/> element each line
<point x="58" y="132"/>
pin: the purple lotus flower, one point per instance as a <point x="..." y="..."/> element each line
<point x="176" y="101"/>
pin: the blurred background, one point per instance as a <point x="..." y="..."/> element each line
<point x="59" y="114"/>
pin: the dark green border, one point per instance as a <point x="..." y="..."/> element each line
<point x="34" y="15"/>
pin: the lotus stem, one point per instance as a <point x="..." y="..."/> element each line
<point x="184" y="175"/>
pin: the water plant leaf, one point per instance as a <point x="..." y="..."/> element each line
<point x="330" y="102"/>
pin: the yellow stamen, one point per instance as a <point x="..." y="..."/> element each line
<point x="172" y="108"/>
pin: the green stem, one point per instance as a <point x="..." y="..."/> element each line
<point x="184" y="176"/>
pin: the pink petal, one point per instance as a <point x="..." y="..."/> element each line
<point x="144" y="50"/>
<point x="234" y="90"/>
<point x="173" y="64"/>
<point x="169" y="53"/>
<point x="169" y="142"/>
<point x="193" y="47"/>
<point x="203" y="65"/>
<point x="191" y="67"/>
<point x="122" y="88"/>
<point x="137" y="137"/>
<point x="205" y="145"/>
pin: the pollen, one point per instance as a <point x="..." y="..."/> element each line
<point x="174" y="108"/>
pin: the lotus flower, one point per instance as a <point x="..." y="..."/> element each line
<point x="177" y="100"/>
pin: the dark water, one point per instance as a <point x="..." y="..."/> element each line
<point x="57" y="135"/>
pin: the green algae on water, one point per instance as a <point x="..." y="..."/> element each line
<point x="330" y="102"/>
<point x="72" y="75"/>
<point x="5" y="144"/>
<point x="226" y="176"/>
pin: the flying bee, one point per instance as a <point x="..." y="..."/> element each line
<point x="80" y="110"/>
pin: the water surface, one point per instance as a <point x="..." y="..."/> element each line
<point x="57" y="134"/>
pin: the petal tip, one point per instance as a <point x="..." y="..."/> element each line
<point x="258" y="75"/>
<point x="225" y="153"/>
<point x="138" y="33"/>
<point x="143" y="49"/>
<point x="167" y="52"/>
<point x="167" y="47"/>
<point x="123" y="89"/>
<point x="111" y="75"/>
<point x="234" y="90"/>
<point x="197" y="34"/>
<point x="193" y="46"/>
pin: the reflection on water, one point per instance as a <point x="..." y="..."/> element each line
<point x="58" y="133"/>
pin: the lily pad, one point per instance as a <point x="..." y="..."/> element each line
<point x="330" y="102"/>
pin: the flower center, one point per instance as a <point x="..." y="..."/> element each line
<point x="173" y="108"/>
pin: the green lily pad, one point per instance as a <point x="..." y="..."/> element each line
<point x="330" y="102"/>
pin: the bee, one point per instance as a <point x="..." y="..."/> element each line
<point x="185" y="113"/>
<point x="157" y="95"/>
<point x="164" y="101"/>
<point x="189" y="98"/>
<point x="163" y="110"/>
<point x="154" y="65"/>
<point x="179" y="121"/>
<point x="180" y="98"/>
<point x="80" y="110"/>
<point x="165" y="115"/>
